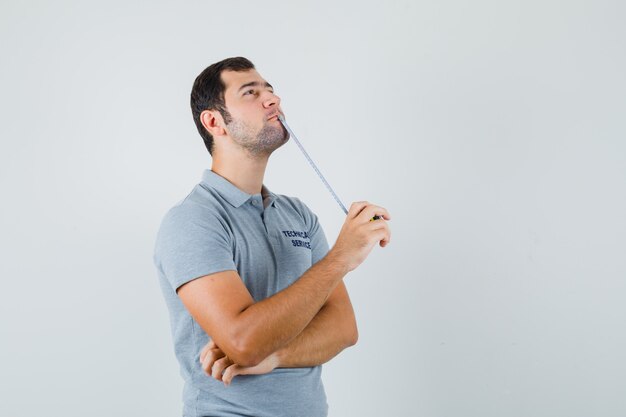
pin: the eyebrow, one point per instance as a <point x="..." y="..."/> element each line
<point x="254" y="84"/>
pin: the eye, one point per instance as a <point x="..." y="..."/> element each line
<point x="251" y="91"/>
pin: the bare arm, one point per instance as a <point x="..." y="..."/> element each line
<point x="332" y="330"/>
<point x="249" y="332"/>
<point x="246" y="331"/>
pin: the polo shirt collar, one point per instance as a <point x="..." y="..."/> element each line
<point x="230" y="192"/>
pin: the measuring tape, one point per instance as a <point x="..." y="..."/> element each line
<point x="319" y="174"/>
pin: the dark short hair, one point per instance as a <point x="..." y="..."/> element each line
<point x="208" y="93"/>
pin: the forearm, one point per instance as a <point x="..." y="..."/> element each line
<point x="332" y="330"/>
<point x="270" y="324"/>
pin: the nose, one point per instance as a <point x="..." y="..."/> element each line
<point x="271" y="100"/>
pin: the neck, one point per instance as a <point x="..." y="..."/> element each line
<point x="241" y="169"/>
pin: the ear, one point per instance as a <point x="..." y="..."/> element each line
<point x="213" y="122"/>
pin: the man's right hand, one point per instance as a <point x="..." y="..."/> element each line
<point x="359" y="235"/>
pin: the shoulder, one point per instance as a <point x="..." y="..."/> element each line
<point x="296" y="205"/>
<point x="293" y="203"/>
<point x="198" y="210"/>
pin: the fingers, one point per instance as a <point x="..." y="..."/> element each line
<point x="216" y="364"/>
<point x="230" y="373"/>
<point x="206" y="349"/>
<point x="203" y="352"/>
<point x="356" y="208"/>
<point x="219" y="366"/>
<point x="210" y="358"/>
<point x="371" y="210"/>
<point x="384" y="240"/>
<point x="383" y="235"/>
<point x="366" y="211"/>
<point x="366" y="215"/>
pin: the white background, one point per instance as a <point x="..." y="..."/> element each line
<point x="493" y="131"/>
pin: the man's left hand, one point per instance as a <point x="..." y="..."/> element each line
<point x="215" y="363"/>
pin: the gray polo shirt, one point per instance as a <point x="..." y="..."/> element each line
<point x="270" y="240"/>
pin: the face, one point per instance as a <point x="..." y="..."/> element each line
<point x="254" y="109"/>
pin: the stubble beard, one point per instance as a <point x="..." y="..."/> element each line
<point x="266" y="141"/>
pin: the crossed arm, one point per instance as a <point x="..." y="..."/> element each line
<point x="332" y="330"/>
<point x="305" y="324"/>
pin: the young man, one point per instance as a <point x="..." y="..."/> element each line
<point x="256" y="299"/>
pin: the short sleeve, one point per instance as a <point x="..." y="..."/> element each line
<point x="319" y="244"/>
<point x="192" y="242"/>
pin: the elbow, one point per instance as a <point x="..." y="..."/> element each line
<point x="353" y="335"/>
<point x="247" y="360"/>
<point x="245" y="354"/>
<point x="246" y="350"/>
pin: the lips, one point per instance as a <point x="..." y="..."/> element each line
<point x="273" y="116"/>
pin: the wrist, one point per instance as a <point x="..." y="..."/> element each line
<point x="336" y="263"/>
